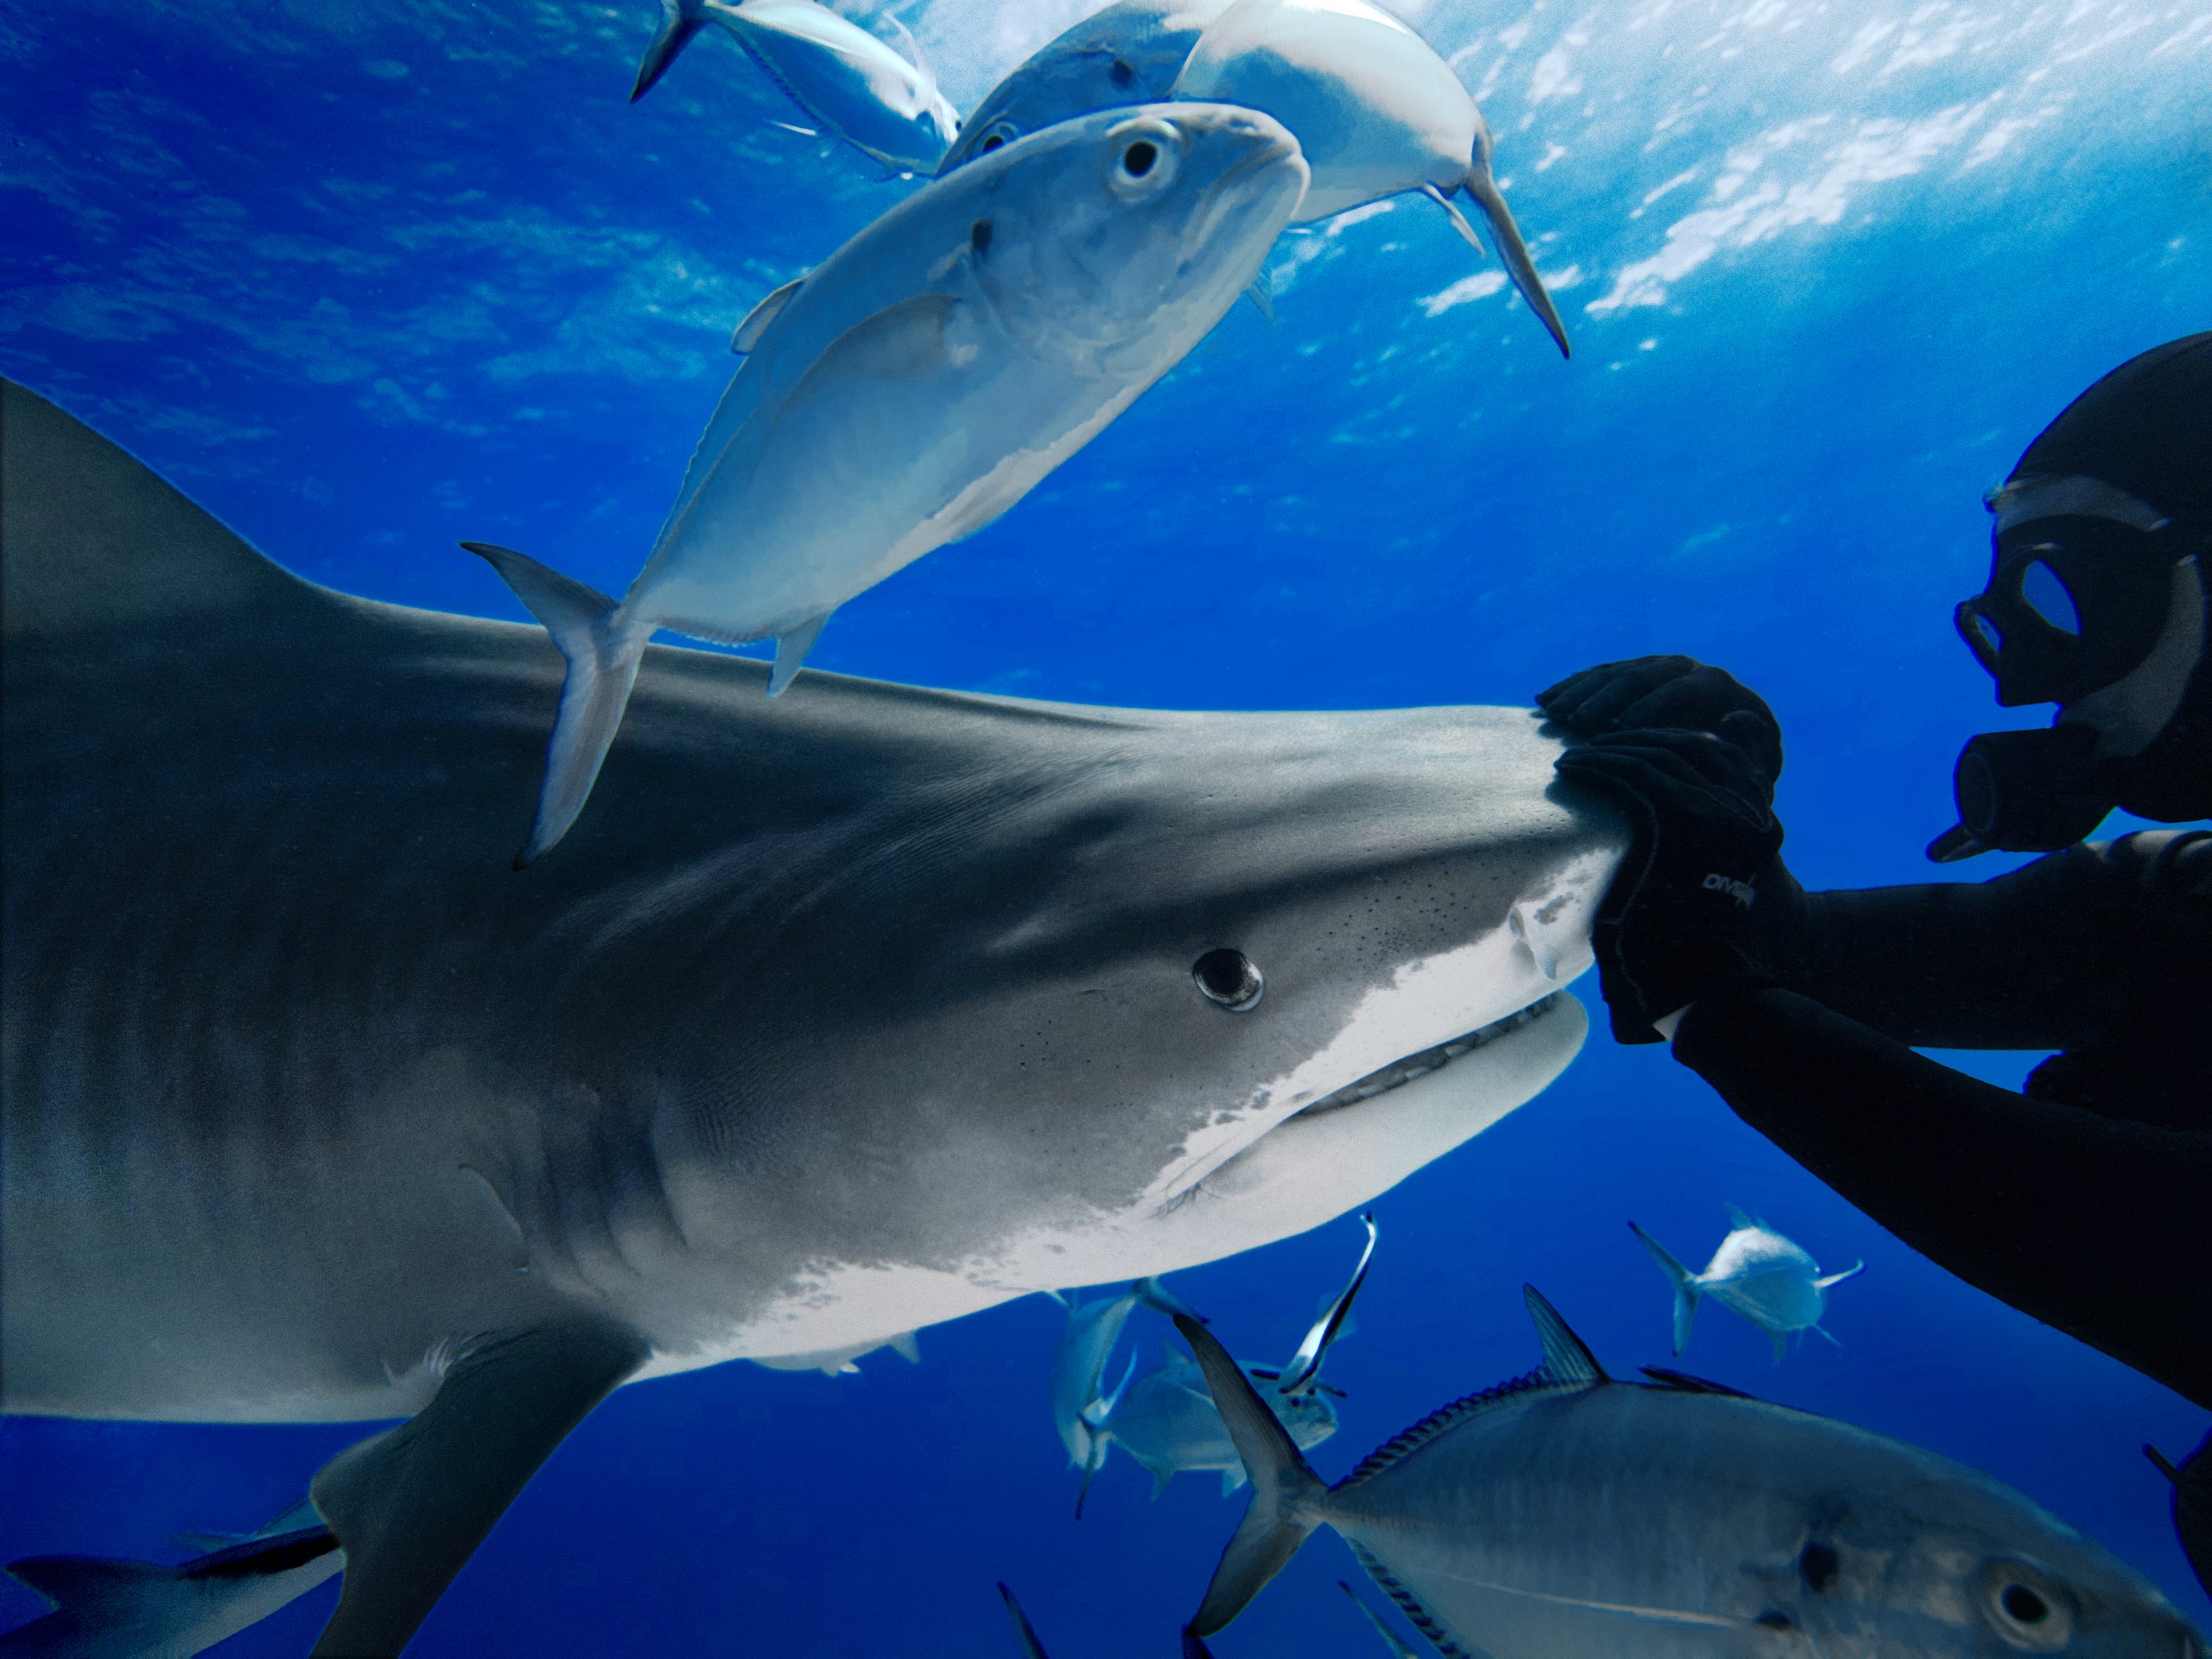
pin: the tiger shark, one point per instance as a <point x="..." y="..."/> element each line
<point x="847" y="1015"/>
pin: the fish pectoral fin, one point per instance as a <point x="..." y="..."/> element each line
<point x="1262" y="293"/>
<point x="1781" y="1340"/>
<point x="1513" y="252"/>
<point x="679" y="21"/>
<point x="1458" y="219"/>
<point x="410" y="1505"/>
<point x="1851" y="1272"/>
<point x="748" y="332"/>
<point x="82" y="1580"/>
<point x="790" y="651"/>
<point x="903" y="342"/>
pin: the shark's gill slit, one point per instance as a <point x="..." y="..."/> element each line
<point x="1400" y="1072"/>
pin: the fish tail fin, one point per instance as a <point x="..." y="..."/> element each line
<point x="1284" y="1488"/>
<point x="1024" y="1632"/>
<point x="1685" y="1283"/>
<point x="602" y="657"/>
<point x="1851" y="1272"/>
<point x="679" y="21"/>
<point x="1512" y="251"/>
<point x="1160" y="1299"/>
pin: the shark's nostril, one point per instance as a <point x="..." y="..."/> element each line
<point x="1228" y="978"/>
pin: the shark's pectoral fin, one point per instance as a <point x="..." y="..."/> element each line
<point x="1513" y="252"/>
<point x="1781" y="1340"/>
<point x="411" y="1504"/>
<point x="1261" y="293"/>
<point x="790" y="651"/>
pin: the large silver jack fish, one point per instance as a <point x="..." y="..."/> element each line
<point x="1128" y="54"/>
<point x="919" y="382"/>
<point x="1568" y="1515"/>
<point x="882" y="104"/>
<point x="840" y="1018"/>
<point x="1375" y="111"/>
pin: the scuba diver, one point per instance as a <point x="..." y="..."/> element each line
<point x="2085" y="1199"/>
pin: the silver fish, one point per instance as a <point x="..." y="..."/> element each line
<point x="1079" y="1408"/>
<point x="1375" y="111"/>
<point x="1568" y="1515"/>
<point x="1128" y="54"/>
<point x="841" y="1018"/>
<point x="1166" y="1419"/>
<point x="1756" y="1274"/>
<point x="884" y="106"/>
<point x="916" y="385"/>
<point x="107" y="1609"/>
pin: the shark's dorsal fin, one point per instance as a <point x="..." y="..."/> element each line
<point x="1739" y="1221"/>
<point x="94" y="540"/>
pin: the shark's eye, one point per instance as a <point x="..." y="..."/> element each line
<point x="1228" y="978"/>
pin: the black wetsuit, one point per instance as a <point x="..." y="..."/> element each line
<point x="2088" y="1201"/>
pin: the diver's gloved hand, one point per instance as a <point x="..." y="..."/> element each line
<point x="1645" y="692"/>
<point x="1667" y="932"/>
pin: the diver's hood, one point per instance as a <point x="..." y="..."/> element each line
<point x="2082" y="598"/>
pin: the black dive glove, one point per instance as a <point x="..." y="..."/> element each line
<point x="1645" y="692"/>
<point x="1667" y="933"/>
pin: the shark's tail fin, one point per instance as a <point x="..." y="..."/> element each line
<point x="1284" y="1488"/>
<point x="679" y="21"/>
<point x="603" y="660"/>
<point x="1686" y="1286"/>
<point x="1512" y="251"/>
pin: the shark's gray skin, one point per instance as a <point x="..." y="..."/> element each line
<point x="847" y="1015"/>
<point x="1564" y="1514"/>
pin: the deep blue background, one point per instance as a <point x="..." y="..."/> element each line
<point x="364" y="281"/>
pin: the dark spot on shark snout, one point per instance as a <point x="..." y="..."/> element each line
<point x="979" y="237"/>
<point x="1818" y="1567"/>
<point x="1772" y="1619"/>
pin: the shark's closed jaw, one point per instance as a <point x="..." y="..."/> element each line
<point x="1399" y="1073"/>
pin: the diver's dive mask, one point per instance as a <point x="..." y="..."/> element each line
<point x="2080" y="583"/>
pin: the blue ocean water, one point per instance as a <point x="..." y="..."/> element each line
<point x="364" y="281"/>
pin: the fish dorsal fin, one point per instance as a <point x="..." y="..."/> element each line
<point x="1567" y="1358"/>
<point x="1738" y="1220"/>
<point x="94" y="540"/>
<point x="1569" y="1367"/>
<point x="1674" y="1382"/>
<point x="757" y="321"/>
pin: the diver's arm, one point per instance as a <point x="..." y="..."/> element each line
<point x="2044" y="958"/>
<point x="2096" y="1226"/>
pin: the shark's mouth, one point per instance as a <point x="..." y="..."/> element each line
<point x="1399" y="1073"/>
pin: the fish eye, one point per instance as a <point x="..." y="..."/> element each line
<point x="1143" y="156"/>
<point x="1818" y="1567"/>
<point x="1000" y="131"/>
<point x="1228" y="978"/>
<point x="2030" y="1612"/>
